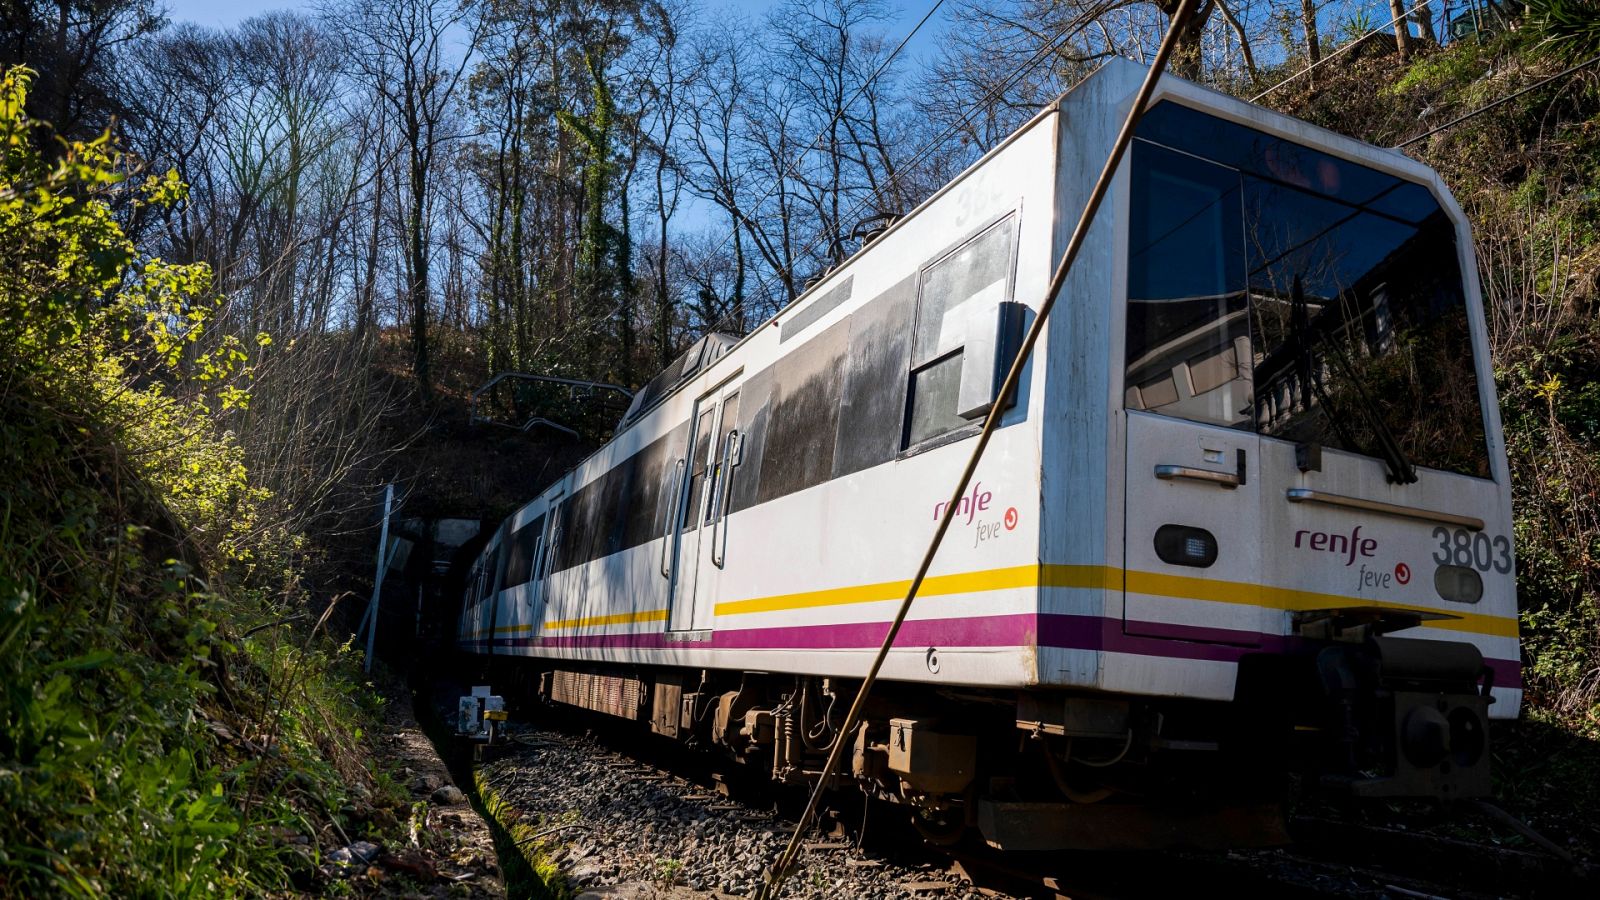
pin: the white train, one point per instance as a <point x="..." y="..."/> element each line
<point x="1257" y="440"/>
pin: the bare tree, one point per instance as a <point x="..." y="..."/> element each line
<point x="668" y="78"/>
<point x="712" y="142"/>
<point x="1241" y="36"/>
<point x="77" y="49"/>
<point x="403" y="51"/>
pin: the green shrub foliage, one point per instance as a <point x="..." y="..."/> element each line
<point x="145" y="748"/>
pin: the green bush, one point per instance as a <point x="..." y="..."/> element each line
<point x="1569" y="28"/>
<point x="145" y="748"/>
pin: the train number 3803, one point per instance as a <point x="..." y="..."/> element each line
<point x="1477" y="550"/>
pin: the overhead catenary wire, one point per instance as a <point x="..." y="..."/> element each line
<point x="1503" y="100"/>
<point x="983" y="104"/>
<point x="838" y="114"/>
<point x="771" y="887"/>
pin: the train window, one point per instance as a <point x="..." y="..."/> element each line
<point x="486" y="576"/>
<point x="1337" y="316"/>
<point x="520" y="558"/>
<point x="1362" y="323"/>
<point x="558" y="538"/>
<point x="1244" y="149"/>
<point x="697" y="469"/>
<point x="977" y="275"/>
<point x="611" y="511"/>
<point x="541" y="553"/>
<point x="616" y="511"/>
<point x="730" y="415"/>
<point x="1188" y="351"/>
<point x="644" y="492"/>
<point x="875" y="386"/>
<point x="574" y="547"/>
<point x="754" y="412"/>
<point x="933" y="400"/>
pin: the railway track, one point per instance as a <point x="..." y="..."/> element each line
<point x="649" y="818"/>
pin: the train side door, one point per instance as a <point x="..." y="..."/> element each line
<point x="702" y="535"/>
<point x="1192" y="492"/>
<point x="541" y="563"/>
<point x="555" y="531"/>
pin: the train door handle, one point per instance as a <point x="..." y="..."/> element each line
<point x="669" y="535"/>
<point x="1227" y="480"/>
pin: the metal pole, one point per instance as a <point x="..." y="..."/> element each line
<point x="371" y="618"/>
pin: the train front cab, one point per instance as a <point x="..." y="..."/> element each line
<point x="1315" y="505"/>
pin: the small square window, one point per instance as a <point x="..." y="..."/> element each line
<point x="933" y="400"/>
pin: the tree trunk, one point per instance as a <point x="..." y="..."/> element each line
<point x="738" y="279"/>
<point x="1308" y="21"/>
<point x="1424" y="19"/>
<point x="418" y="292"/>
<point x="1186" y="62"/>
<point x="1244" y="39"/>
<point x="1402" y="29"/>
<point x="623" y="264"/>
<point x="663" y="296"/>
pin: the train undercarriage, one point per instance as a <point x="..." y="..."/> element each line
<point x="1053" y="770"/>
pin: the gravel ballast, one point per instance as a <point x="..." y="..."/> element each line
<point x="619" y="828"/>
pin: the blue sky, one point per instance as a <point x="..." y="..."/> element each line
<point x="230" y="13"/>
<point x="222" y="15"/>
<point x="923" y="46"/>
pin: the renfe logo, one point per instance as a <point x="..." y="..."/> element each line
<point x="1345" y="545"/>
<point x="971" y="505"/>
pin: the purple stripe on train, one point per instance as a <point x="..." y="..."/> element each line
<point x="1019" y="630"/>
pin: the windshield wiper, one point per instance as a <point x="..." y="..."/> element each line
<point x="1400" y="469"/>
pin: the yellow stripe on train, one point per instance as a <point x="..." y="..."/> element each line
<point x="1178" y="587"/>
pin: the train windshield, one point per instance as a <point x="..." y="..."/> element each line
<point x="1277" y="288"/>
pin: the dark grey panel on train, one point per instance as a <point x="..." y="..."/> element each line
<point x="805" y="415"/>
<point x="755" y="412"/>
<point x="816" y="309"/>
<point x="524" y="547"/>
<point x="622" y="508"/>
<point x="874" y="399"/>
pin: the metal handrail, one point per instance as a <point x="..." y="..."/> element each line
<point x="1220" y="479"/>
<point x="719" y="527"/>
<point x="1307" y="495"/>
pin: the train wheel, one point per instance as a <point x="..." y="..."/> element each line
<point x="939" y="830"/>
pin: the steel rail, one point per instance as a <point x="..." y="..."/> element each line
<point x="771" y="887"/>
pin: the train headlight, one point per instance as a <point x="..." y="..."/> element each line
<point x="1458" y="584"/>
<point x="1185" y="545"/>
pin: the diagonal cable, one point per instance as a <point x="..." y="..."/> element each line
<point x="773" y="885"/>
